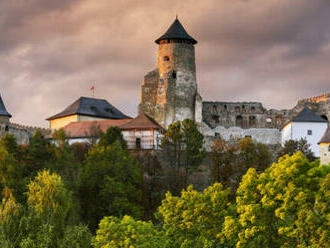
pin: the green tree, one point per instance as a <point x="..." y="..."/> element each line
<point x="76" y="237"/>
<point x="8" y="141"/>
<point x="196" y="219"/>
<point x="292" y="146"/>
<point x="230" y="161"/>
<point x="11" y="175"/>
<point x="182" y="148"/>
<point x="127" y="233"/>
<point x="112" y="135"/>
<point x="49" y="205"/>
<point x="109" y="184"/>
<point x="37" y="156"/>
<point x="285" y="206"/>
<point x="10" y="213"/>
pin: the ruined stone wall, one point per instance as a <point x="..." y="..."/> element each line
<point x="244" y="115"/>
<point x="253" y="115"/>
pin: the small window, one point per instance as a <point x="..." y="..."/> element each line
<point x="225" y="107"/>
<point x="6" y="128"/>
<point x="217" y="135"/>
<point x="166" y="58"/>
<point x="138" y="143"/>
<point x="108" y="110"/>
<point x="174" y="74"/>
<point x="253" y="109"/>
<point x="309" y="132"/>
<point x="248" y="136"/>
<point x="329" y="148"/>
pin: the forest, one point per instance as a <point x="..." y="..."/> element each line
<point x="103" y="195"/>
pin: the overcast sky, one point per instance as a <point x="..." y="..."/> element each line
<point x="51" y="52"/>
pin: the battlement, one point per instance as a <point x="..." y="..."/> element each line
<point x="31" y="129"/>
<point x="316" y="99"/>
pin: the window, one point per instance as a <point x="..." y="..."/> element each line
<point x="329" y="148"/>
<point x="174" y="74"/>
<point x="6" y="128"/>
<point x="166" y="58"/>
<point x="309" y="132"/>
<point x="239" y="121"/>
<point x="253" y="109"/>
<point x="138" y="143"/>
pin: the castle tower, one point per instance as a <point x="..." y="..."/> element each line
<point x="4" y="115"/>
<point x="169" y="93"/>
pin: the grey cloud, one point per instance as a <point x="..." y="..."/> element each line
<point x="52" y="51"/>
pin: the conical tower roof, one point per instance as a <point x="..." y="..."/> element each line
<point x="3" y="110"/>
<point x="177" y="32"/>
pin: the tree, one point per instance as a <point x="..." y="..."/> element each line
<point x="10" y="213"/>
<point x="49" y="205"/>
<point x="292" y="146"/>
<point x="11" y="175"/>
<point x="8" y="141"/>
<point x="285" y="206"/>
<point x="196" y="219"/>
<point x="127" y="232"/>
<point x="109" y="184"/>
<point x="182" y="148"/>
<point x="230" y="161"/>
<point x="37" y="155"/>
<point x="112" y="135"/>
<point x="76" y="236"/>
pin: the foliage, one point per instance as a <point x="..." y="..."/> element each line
<point x="109" y="184"/>
<point x="230" y="161"/>
<point x="182" y="147"/>
<point x="127" y="233"/>
<point x="112" y="135"/>
<point x="76" y="237"/>
<point x="11" y="174"/>
<point x="37" y="155"/>
<point x="286" y="206"/>
<point x="196" y="219"/>
<point x="292" y="146"/>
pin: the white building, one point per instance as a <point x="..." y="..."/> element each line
<point x="307" y="125"/>
<point x="142" y="133"/>
<point x="325" y="148"/>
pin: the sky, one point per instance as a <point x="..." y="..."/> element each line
<point x="52" y="52"/>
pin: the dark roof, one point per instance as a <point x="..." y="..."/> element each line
<point x="307" y="115"/>
<point x="176" y="31"/>
<point x="326" y="136"/>
<point x="3" y="110"/>
<point x="91" y="107"/>
<point x="141" y="122"/>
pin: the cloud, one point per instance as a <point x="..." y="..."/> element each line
<point x="52" y="51"/>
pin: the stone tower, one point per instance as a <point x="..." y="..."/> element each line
<point x="169" y="92"/>
<point x="4" y="115"/>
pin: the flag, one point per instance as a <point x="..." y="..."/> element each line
<point x="92" y="88"/>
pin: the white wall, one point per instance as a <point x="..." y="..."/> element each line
<point x="148" y="138"/>
<point x="286" y="133"/>
<point x="300" y="129"/>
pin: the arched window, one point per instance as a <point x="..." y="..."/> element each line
<point x="225" y="107"/>
<point x="239" y="121"/>
<point x="252" y="120"/>
<point x="237" y="109"/>
<point x="253" y="109"/>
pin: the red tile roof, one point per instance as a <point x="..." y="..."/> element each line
<point x="83" y="128"/>
<point x="141" y="122"/>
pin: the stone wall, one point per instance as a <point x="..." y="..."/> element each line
<point x="169" y="92"/>
<point x="20" y="132"/>
<point x="253" y="115"/>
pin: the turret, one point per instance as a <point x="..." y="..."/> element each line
<point x="168" y="93"/>
<point x="4" y="115"/>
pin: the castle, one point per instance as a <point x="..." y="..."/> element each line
<point x="170" y="93"/>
